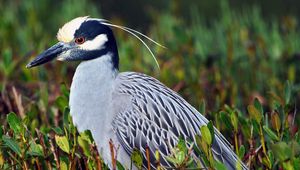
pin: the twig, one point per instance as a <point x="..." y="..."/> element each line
<point x="263" y="144"/>
<point x="251" y="155"/>
<point x="85" y="166"/>
<point x="73" y="164"/>
<point x="251" y="142"/>
<point x="42" y="142"/>
<point x="252" y="152"/>
<point x="98" y="160"/>
<point x="236" y="143"/>
<point x="14" y="159"/>
<point x="178" y="86"/>
<point x="187" y="157"/>
<point x="38" y="166"/>
<point x="10" y="167"/>
<point x="5" y="98"/>
<point x="148" y="158"/>
<point x="25" y="165"/>
<point x="54" y="153"/>
<point x="18" y="101"/>
<point x="111" y="146"/>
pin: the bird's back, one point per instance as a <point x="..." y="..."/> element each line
<point x="156" y="117"/>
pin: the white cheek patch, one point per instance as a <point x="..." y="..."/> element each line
<point x="95" y="44"/>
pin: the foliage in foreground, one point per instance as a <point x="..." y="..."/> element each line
<point x="225" y="63"/>
<point x="272" y="142"/>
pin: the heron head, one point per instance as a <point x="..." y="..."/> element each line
<point x="80" y="39"/>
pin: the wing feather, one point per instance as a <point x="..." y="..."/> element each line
<point x="156" y="119"/>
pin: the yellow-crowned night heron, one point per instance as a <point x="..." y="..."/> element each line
<point x="131" y="109"/>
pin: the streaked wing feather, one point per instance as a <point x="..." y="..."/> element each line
<point x="157" y="118"/>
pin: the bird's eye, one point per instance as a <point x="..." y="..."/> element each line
<point x="79" y="40"/>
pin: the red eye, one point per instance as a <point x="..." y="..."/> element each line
<point x="79" y="40"/>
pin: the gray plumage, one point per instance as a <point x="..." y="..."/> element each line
<point x="157" y="118"/>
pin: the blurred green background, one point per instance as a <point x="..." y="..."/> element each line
<point x="220" y="51"/>
<point x="220" y="54"/>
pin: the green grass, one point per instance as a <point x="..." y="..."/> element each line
<point x="240" y="70"/>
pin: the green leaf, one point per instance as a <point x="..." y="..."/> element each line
<point x="287" y="92"/>
<point x="120" y="166"/>
<point x="202" y="144"/>
<point x="211" y="129"/>
<point x="35" y="150"/>
<point x="295" y="147"/>
<point x="180" y="156"/>
<point x="86" y="135"/>
<point x="26" y="120"/>
<point x="157" y="155"/>
<point x="58" y="130"/>
<point x="297" y="137"/>
<point x="238" y="165"/>
<point x="67" y="121"/>
<point x="64" y="90"/>
<point x="12" y="144"/>
<point x="61" y="102"/>
<point x="266" y="162"/>
<point x="275" y="121"/>
<point x="137" y="158"/>
<point x="206" y="135"/>
<point x="288" y="165"/>
<point x="296" y="163"/>
<point x="181" y="145"/>
<point x="190" y="162"/>
<point x="92" y="165"/>
<point x="245" y="127"/>
<point x="256" y="127"/>
<point x="234" y="121"/>
<point x="63" y="164"/>
<point x="15" y="123"/>
<point x="270" y="133"/>
<point x="66" y="116"/>
<point x="271" y="157"/>
<point x="226" y="120"/>
<point x="84" y="144"/>
<point x="258" y="105"/>
<point x="254" y="113"/>
<point x="219" y="166"/>
<point x="242" y="151"/>
<point x="171" y="160"/>
<point x="63" y="143"/>
<point x="7" y="57"/>
<point x="281" y="151"/>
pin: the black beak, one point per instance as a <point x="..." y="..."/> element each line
<point x="47" y="55"/>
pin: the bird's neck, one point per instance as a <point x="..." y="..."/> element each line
<point x="91" y="92"/>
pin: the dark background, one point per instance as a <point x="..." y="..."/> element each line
<point x="138" y="13"/>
